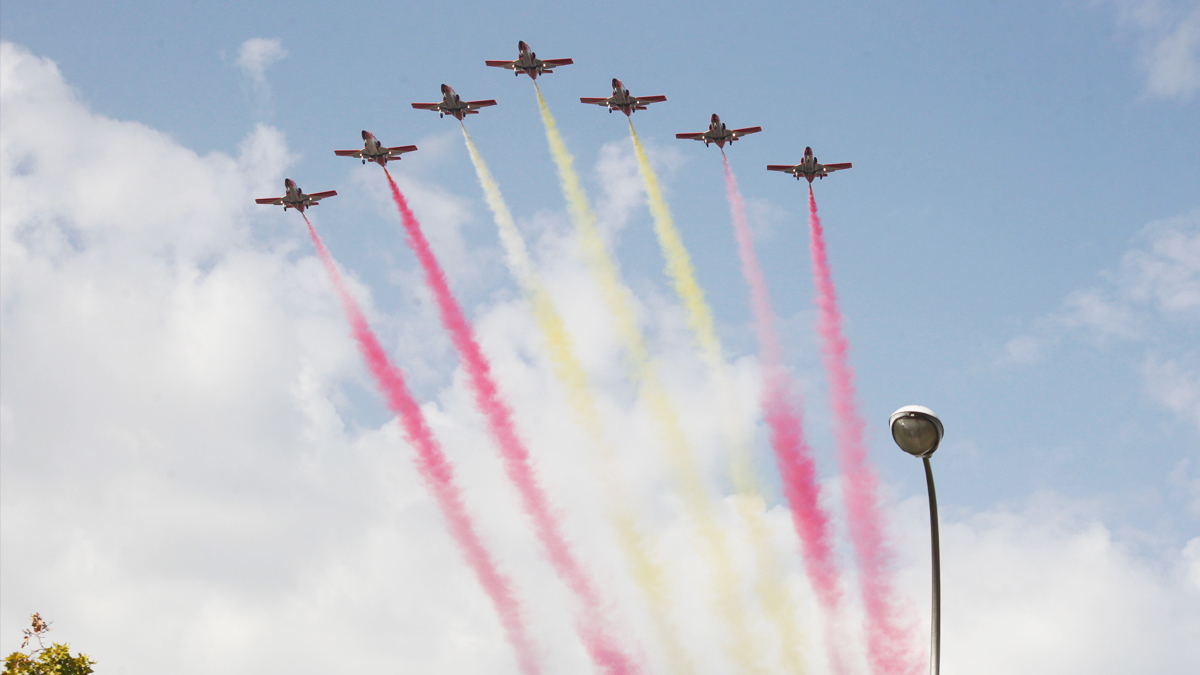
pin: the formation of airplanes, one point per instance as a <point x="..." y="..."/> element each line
<point x="529" y="64"/>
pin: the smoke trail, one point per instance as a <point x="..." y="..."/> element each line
<point x="888" y="642"/>
<point x="594" y="628"/>
<point x="792" y="453"/>
<point x="771" y="590"/>
<point x="646" y="573"/>
<point x="434" y="467"/>
<point x="696" y="496"/>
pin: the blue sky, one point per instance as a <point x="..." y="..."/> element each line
<point x="1015" y="247"/>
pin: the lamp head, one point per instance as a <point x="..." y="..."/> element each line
<point x="917" y="430"/>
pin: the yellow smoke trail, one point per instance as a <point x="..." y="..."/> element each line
<point x="646" y="573"/>
<point x="687" y="473"/>
<point x="771" y="591"/>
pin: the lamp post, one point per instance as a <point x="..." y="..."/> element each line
<point x="918" y="431"/>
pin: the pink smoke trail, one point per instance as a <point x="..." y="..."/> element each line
<point x="593" y="626"/>
<point x="792" y="453"/>
<point x="433" y="466"/>
<point x="888" y="642"/>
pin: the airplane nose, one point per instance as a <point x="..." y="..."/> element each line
<point x="617" y="83"/>
<point x="522" y="46"/>
<point x="366" y="134"/>
<point x="445" y="88"/>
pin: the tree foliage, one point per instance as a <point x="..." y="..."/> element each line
<point x="53" y="660"/>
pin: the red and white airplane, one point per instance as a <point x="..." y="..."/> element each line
<point x="527" y="62"/>
<point x="809" y="167"/>
<point x="374" y="151"/>
<point x="621" y="100"/>
<point x="453" y="105"/>
<point x="295" y="197"/>
<point x="718" y="133"/>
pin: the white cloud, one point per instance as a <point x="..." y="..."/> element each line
<point x="1169" y="33"/>
<point x="1023" y="349"/>
<point x="1175" y="386"/>
<point x="1151" y="302"/>
<point x="178" y="460"/>
<point x="254" y="57"/>
<point x="1050" y="589"/>
<point x="257" y="54"/>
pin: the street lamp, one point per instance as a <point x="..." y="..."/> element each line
<point x="918" y="431"/>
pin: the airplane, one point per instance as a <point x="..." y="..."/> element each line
<point x="374" y="151"/>
<point x="452" y="104"/>
<point x="718" y="133"/>
<point x="527" y="62"/>
<point x="295" y="197"/>
<point x="621" y="100"/>
<point x="809" y="167"/>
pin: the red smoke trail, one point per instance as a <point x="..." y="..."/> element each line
<point x="433" y="466"/>
<point x="515" y="455"/>
<point x="888" y="643"/>
<point x="792" y="453"/>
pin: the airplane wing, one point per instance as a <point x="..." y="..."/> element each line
<point x="427" y="106"/>
<point x="400" y="150"/>
<point x="480" y="104"/>
<point x="694" y="137"/>
<point x="318" y="196"/>
<point x="270" y="200"/>
<point x="838" y="167"/>
<point x="594" y="101"/>
<point x="500" y="64"/>
<point x="348" y="153"/>
<point x="643" y="100"/>
<point x="747" y="130"/>
<point x="554" y="63"/>
<point x="781" y="167"/>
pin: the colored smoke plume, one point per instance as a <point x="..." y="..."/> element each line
<point x="770" y="588"/>
<point x="594" y="628"/>
<point x="645" y="571"/>
<point x="889" y="643"/>
<point x="435" y="469"/>
<point x="697" y="498"/>
<point x="783" y="417"/>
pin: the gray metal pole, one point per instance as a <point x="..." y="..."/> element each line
<point x="935" y="640"/>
